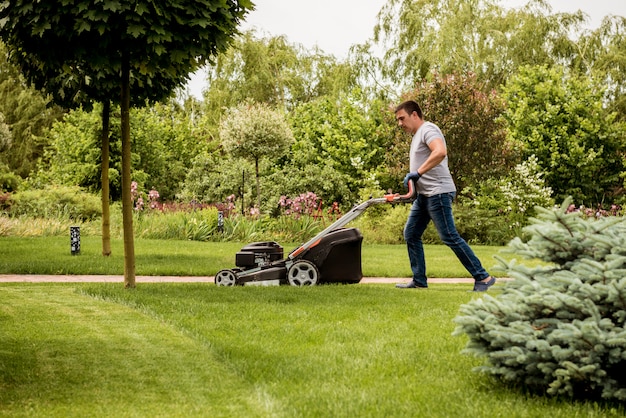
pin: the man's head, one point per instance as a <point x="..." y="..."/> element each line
<point x="409" y="116"/>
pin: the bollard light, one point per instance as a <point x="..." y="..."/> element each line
<point x="220" y="221"/>
<point x="75" y="239"/>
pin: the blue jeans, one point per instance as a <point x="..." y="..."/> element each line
<point x="437" y="208"/>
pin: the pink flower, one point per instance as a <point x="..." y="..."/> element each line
<point x="153" y="195"/>
<point x="139" y="204"/>
<point x="133" y="190"/>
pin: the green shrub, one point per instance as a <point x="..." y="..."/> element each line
<point x="212" y="179"/>
<point x="518" y="193"/>
<point x="26" y="226"/>
<point x="384" y="224"/>
<point x="500" y="208"/>
<point x="328" y="184"/>
<point x="56" y="202"/>
<point x="487" y="226"/>
<point x="9" y="182"/>
<point x="562" y="118"/>
<point x="5" y="201"/>
<point x="558" y="328"/>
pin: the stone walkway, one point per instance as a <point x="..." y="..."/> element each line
<point x="50" y="278"/>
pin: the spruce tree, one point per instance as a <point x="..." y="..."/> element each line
<point x="558" y="328"/>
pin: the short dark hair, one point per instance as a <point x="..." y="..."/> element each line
<point x="409" y="107"/>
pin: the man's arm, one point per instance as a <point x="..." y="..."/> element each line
<point x="438" y="152"/>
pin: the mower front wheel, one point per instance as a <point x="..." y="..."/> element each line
<point x="303" y="273"/>
<point x="226" y="278"/>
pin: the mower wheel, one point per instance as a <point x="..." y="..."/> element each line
<point x="225" y="278"/>
<point x="303" y="273"/>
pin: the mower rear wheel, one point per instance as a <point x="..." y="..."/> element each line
<point x="303" y="273"/>
<point x="225" y="278"/>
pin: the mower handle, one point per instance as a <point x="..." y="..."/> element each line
<point x="409" y="196"/>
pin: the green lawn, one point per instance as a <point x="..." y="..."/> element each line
<point x="183" y="350"/>
<point x="51" y="255"/>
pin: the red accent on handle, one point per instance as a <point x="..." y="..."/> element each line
<point x="397" y="196"/>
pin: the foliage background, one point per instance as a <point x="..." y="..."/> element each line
<point x="526" y="86"/>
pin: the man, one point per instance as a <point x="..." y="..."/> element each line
<point x="428" y="168"/>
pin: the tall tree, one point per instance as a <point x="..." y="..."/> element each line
<point x="469" y="119"/>
<point x="134" y="46"/>
<point x="602" y="55"/>
<point x="271" y="70"/>
<point x="104" y="179"/>
<point x="254" y="131"/>
<point x="27" y="113"/>
<point x="449" y="36"/>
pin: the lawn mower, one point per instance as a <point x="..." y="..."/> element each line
<point x="332" y="256"/>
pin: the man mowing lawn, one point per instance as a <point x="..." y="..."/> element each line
<point x="428" y="168"/>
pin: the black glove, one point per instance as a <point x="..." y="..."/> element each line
<point x="411" y="176"/>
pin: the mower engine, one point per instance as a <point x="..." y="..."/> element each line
<point x="258" y="254"/>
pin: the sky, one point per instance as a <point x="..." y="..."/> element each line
<point x="335" y="25"/>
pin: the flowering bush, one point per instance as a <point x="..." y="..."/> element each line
<point x="517" y="193"/>
<point x="153" y="197"/>
<point x="498" y="209"/>
<point x="168" y="207"/>
<point x="304" y="204"/>
<point x="526" y="188"/>
<point x="599" y="212"/>
<point x="227" y="208"/>
<point x="230" y="203"/>
<point x="138" y="198"/>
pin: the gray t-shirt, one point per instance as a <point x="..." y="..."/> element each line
<point x="437" y="180"/>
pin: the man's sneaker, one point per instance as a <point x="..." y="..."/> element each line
<point x="410" y="285"/>
<point x="484" y="286"/>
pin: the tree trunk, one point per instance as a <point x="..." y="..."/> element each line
<point x="258" y="184"/>
<point x="106" y="213"/>
<point x="127" y="203"/>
